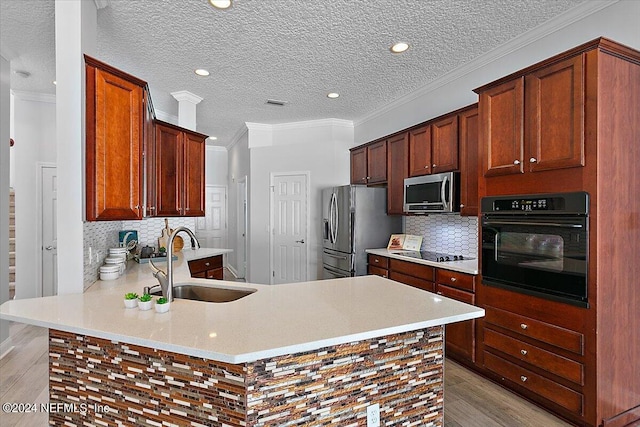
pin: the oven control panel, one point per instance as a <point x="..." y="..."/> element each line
<point x="527" y="205"/>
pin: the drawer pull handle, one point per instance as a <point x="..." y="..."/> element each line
<point x="375" y="260"/>
<point x="523" y="326"/>
<point x="523" y="352"/>
<point x="453" y="279"/>
<point x="207" y="264"/>
<point x="523" y="378"/>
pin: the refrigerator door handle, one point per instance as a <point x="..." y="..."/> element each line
<point x="335" y="256"/>
<point x="334" y="217"/>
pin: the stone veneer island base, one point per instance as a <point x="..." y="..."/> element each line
<point x="331" y="386"/>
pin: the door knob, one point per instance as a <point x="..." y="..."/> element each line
<point x="300" y="241"/>
<point x="49" y="248"/>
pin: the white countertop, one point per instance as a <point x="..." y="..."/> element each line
<point x="276" y="320"/>
<point x="466" y="266"/>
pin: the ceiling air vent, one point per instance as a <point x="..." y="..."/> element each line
<point x="277" y="102"/>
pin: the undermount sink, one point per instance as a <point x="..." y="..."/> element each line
<point x="198" y="292"/>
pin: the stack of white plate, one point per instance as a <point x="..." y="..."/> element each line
<point x="109" y="272"/>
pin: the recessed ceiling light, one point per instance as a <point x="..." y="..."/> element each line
<point x="201" y="72"/>
<point x="213" y="138"/>
<point x="220" y="4"/>
<point x="333" y="95"/>
<point x="399" y="47"/>
<point x="55" y="82"/>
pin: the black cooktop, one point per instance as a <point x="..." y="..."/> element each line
<point x="433" y="256"/>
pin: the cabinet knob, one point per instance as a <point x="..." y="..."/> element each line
<point x="433" y="165"/>
<point x="523" y="378"/>
<point x="136" y="207"/>
<point x="523" y="352"/>
<point x="368" y="177"/>
<point x="376" y="261"/>
<point x="426" y="166"/>
<point x="461" y="205"/>
<point x="533" y="160"/>
<point x="516" y="162"/>
<point x="439" y="293"/>
<point x="523" y="326"/>
<point x="453" y="279"/>
<point x="384" y="276"/>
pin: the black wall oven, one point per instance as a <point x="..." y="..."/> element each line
<point x="537" y="244"/>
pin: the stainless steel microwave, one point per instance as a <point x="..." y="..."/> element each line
<point x="435" y="193"/>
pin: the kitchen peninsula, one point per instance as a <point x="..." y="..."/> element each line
<point x="315" y="352"/>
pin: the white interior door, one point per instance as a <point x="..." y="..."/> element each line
<point x="289" y="220"/>
<point x="211" y="229"/>
<point x="49" y="271"/>
<point x="241" y="242"/>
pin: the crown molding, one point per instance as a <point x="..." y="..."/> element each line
<point x="34" y="96"/>
<point x="314" y="123"/>
<point x="184" y="95"/>
<point x="209" y="147"/>
<point x="565" y="19"/>
<point x="237" y="136"/>
<point x="166" y="117"/>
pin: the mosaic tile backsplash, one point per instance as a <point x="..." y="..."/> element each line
<point x="150" y="229"/>
<point x="452" y="234"/>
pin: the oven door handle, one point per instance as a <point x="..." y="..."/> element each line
<point x="543" y="224"/>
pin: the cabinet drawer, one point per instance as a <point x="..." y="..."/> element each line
<point x="216" y="274"/>
<point x="551" y="390"/>
<point x="550" y="362"/>
<point x="204" y="264"/>
<point x="378" y="261"/>
<point x="537" y="329"/>
<point x="416" y="282"/>
<point x="456" y="294"/>
<point x="412" y="269"/>
<point x="457" y="280"/>
<point x="382" y="272"/>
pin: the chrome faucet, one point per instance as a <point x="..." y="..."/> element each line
<point x="166" y="278"/>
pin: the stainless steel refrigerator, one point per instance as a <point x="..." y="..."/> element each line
<point x="354" y="219"/>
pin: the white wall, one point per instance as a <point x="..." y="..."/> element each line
<point x="5" y="341"/>
<point x="35" y="135"/>
<point x="320" y="147"/>
<point x="239" y="167"/>
<point x="617" y="21"/>
<point x="216" y="165"/>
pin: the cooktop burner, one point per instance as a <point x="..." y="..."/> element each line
<point x="433" y="256"/>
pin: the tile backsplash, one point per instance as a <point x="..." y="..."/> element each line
<point x="150" y="229"/>
<point x="99" y="236"/>
<point x="452" y="234"/>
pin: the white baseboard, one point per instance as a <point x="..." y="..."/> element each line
<point x="5" y="347"/>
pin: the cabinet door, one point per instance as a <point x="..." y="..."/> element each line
<point x="555" y="116"/>
<point x="469" y="199"/>
<point x="194" y="164"/>
<point x="397" y="170"/>
<point x="113" y="147"/>
<point x="460" y="338"/>
<point x="169" y="163"/>
<point x="420" y="151"/>
<point x="149" y="157"/>
<point x="359" y="166"/>
<point x="377" y="162"/>
<point x="444" y="145"/>
<point x="501" y="128"/>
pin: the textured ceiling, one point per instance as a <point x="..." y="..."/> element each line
<point x="291" y="50"/>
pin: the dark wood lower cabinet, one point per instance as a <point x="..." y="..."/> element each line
<point x="207" y="268"/>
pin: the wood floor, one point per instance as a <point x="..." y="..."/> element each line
<point x="470" y="401"/>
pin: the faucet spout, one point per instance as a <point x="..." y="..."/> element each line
<point x="166" y="278"/>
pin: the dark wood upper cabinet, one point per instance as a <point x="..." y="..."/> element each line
<point x="469" y="161"/>
<point x="420" y="151"/>
<point x="114" y="143"/>
<point x="149" y="166"/>
<point x="179" y="171"/>
<point x="359" y="166"/>
<point x="501" y="115"/>
<point x="535" y="123"/>
<point x="369" y="163"/>
<point x="397" y="171"/>
<point x="554" y="112"/>
<point x="444" y="145"/>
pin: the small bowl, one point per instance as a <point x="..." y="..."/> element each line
<point x="109" y="272"/>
